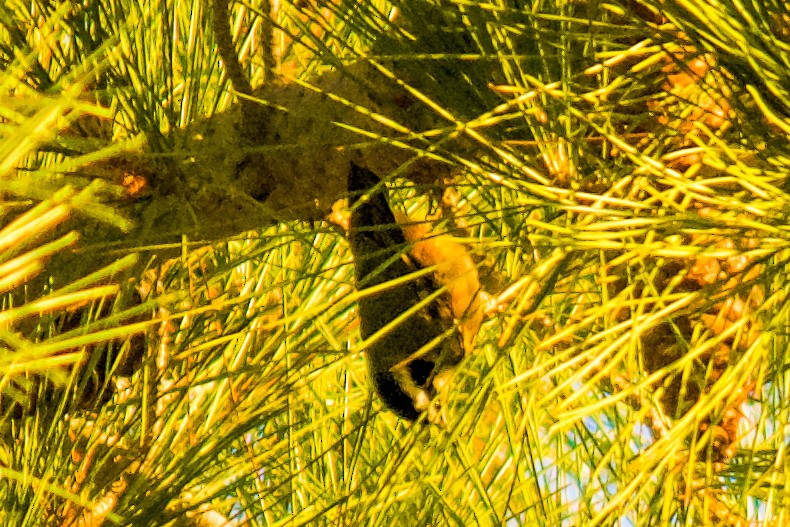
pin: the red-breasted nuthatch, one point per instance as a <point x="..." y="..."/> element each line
<point x="410" y="360"/>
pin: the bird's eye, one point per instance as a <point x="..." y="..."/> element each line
<point x="420" y="371"/>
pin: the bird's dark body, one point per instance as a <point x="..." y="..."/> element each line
<point x="378" y="246"/>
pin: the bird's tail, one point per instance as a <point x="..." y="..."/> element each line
<point x="374" y="235"/>
<point x="371" y="214"/>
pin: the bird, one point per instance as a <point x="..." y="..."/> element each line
<point x="410" y="362"/>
